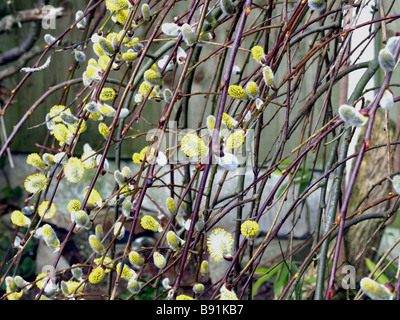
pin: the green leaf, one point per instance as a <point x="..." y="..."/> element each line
<point x="261" y="271"/>
<point x="284" y="278"/>
<point x="266" y="275"/>
<point x="391" y="267"/>
<point x="371" y="266"/>
<point x="279" y="284"/>
<point x="280" y="273"/>
<point x="311" y="280"/>
<point x="304" y="184"/>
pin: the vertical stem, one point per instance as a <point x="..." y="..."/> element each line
<point x="226" y="81"/>
<point x="342" y="214"/>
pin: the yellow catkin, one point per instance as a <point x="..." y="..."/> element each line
<point x="73" y="205"/>
<point x="94" y="197"/>
<point x="129" y="56"/>
<point x="19" y="219"/>
<point x="268" y="76"/>
<point x="134" y="286"/>
<point x="61" y="133"/>
<point x="136" y="259"/>
<point x="192" y="145"/>
<point x="152" y="78"/>
<point x="252" y="90"/>
<point x="73" y="127"/>
<point x="46" y="211"/>
<point x="249" y="229"/>
<point x="219" y="244"/>
<point x="375" y="290"/>
<point x="97" y="275"/>
<point x="171" y="205"/>
<point x="56" y="110"/>
<point x="107" y="94"/>
<point x="237" y="92"/>
<point x="121" y="16"/>
<point x="229" y="121"/>
<point x="95" y="244"/>
<point x="126" y="273"/>
<point x="115" y="5"/>
<point x="149" y="223"/>
<point x="88" y="159"/>
<point x="35" y="160"/>
<point x="106" y="262"/>
<point x="204" y="268"/>
<point x="159" y="260"/>
<point x="258" y="53"/>
<point x="103" y="61"/>
<point x="103" y="129"/>
<point x="235" y="140"/>
<point x="183" y="297"/>
<point x="74" y="170"/>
